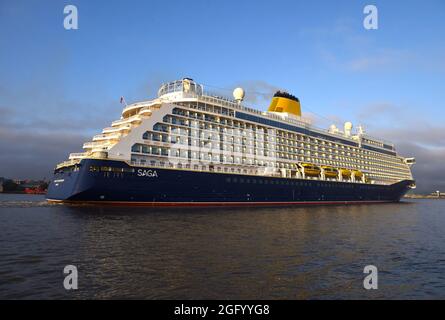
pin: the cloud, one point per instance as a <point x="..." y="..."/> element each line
<point x="38" y="131"/>
<point x="40" y="124"/>
<point x="29" y="106"/>
<point x="413" y="137"/>
<point x="423" y="135"/>
<point x="368" y="59"/>
<point x="429" y="171"/>
<point x="7" y="115"/>
<point x="33" y="155"/>
<point x="149" y="85"/>
<point x="345" y="47"/>
<point x="367" y="63"/>
<point x="379" y="109"/>
<point x="379" y="59"/>
<point x="258" y="91"/>
<point x="393" y="122"/>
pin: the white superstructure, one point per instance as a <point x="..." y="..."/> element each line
<point x="186" y="128"/>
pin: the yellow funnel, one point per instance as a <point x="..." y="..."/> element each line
<point x="284" y="102"/>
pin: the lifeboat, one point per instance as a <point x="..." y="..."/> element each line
<point x="330" y="172"/>
<point x="357" y="174"/>
<point x="310" y="170"/>
<point x="345" y="173"/>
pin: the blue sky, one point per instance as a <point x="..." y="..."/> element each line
<point x="59" y="84"/>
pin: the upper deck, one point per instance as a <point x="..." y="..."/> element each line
<point x="188" y="90"/>
<point x="188" y="122"/>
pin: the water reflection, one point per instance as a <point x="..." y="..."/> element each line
<point x="228" y="253"/>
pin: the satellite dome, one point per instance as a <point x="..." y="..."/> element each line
<point x="238" y="94"/>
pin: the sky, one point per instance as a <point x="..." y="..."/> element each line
<point x="59" y="87"/>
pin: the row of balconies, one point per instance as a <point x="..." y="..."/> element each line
<point x="97" y="146"/>
<point x="279" y="138"/>
<point x="78" y="155"/>
<point x="102" y="142"/>
<point x="82" y="155"/>
<point x="116" y="129"/>
<point x="285" y="148"/>
<point x="112" y="136"/>
<point x="282" y="155"/>
<point x="132" y="119"/>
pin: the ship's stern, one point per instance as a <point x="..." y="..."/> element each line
<point x="66" y="182"/>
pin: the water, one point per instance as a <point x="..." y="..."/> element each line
<point x="248" y="253"/>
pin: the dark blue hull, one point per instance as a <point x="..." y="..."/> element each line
<point x="115" y="182"/>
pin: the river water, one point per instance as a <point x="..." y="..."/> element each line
<point x="207" y="253"/>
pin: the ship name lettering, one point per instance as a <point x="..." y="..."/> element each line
<point x="147" y="173"/>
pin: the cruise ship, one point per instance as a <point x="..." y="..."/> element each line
<point x="188" y="147"/>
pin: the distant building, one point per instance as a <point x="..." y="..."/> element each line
<point x="32" y="184"/>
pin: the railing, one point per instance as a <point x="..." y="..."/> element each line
<point x="215" y="99"/>
<point x="115" y="129"/>
<point x="78" y="155"/>
<point x="92" y="144"/>
<point x="212" y="98"/>
<point x="122" y="121"/>
<point x="383" y="141"/>
<point x="107" y="137"/>
<point x="178" y="86"/>
<point x="67" y="163"/>
<point x="99" y="149"/>
<point x="243" y="170"/>
<point x="137" y="105"/>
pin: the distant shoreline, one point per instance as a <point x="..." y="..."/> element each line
<point x="20" y="192"/>
<point x="420" y="196"/>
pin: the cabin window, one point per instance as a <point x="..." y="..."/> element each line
<point x="136" y="148"/>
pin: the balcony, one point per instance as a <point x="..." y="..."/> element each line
<point x="116" y="129"/>
<point x="92" y="144"/>
<point x="102" y="137"/>
<point x="99" y="149"/>
<point x="126" y="120"/>
<point x="137" y="106"/>
<point x="80" y="155"/>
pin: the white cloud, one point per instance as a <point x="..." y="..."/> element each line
<point x="345" y="47"/>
